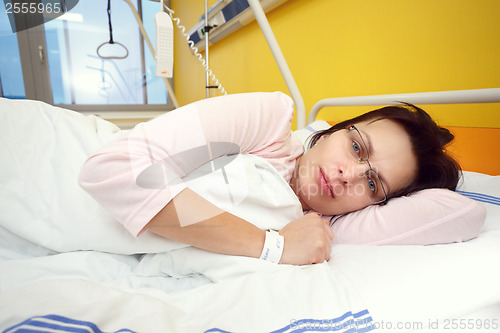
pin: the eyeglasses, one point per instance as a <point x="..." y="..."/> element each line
<point x="373" y="186"/>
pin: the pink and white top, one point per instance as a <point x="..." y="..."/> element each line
<point x="257" y="123"/>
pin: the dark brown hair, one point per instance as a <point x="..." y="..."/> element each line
<point x="435" y="167"/>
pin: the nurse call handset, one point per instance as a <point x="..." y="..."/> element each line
<point x="191" y="46"/>
<point x="164" y="57"/>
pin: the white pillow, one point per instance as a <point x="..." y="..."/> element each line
<point x="433" y="216"/>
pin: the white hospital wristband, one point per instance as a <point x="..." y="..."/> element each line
<point x="273" y="247"/>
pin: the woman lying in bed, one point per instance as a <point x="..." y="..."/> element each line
<point x="364" y="161"/>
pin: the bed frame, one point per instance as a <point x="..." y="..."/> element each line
<point x="440" y="97"/>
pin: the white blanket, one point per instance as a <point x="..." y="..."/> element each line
<point x="43" y="149"/>
<point x="66" y="265"/>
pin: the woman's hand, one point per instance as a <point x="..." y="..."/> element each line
<point x="192" y="220"/>
<point x="308" y="240"/>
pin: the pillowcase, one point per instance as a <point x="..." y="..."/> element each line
<point x="432" y="216"/>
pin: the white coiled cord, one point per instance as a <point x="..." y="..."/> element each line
<point x="195" y="51"/>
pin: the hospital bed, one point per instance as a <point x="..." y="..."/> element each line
<point x="66" y="266"/>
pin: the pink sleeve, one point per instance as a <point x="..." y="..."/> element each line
<point x="427" y="217"/>
<point x="123" y="175"/>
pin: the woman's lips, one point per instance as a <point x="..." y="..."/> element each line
<point x="325" y="184"/>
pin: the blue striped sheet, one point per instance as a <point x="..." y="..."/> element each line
<point x="57" y="324"/>
<point x="347" y="323"/>
<point x="482" y="197"/>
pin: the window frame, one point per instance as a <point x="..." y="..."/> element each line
<point x="35" y="69"/>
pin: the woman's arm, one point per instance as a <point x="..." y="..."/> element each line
<point x="307" y="239"/>
<point x="136" y="175"/>
<point x="257" y="124"/>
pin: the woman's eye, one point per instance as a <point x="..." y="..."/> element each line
<point x="356" y="147"/>
<point x="372" y="185"/>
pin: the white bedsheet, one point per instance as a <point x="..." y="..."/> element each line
<point x="189" y="290"/>
<point x="50" y="278"/>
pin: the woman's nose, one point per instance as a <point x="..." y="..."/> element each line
<point x="353" y="172"/>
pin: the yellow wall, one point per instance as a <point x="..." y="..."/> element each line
<point x="338" y="48"/>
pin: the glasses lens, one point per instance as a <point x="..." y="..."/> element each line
<point x="356" y="144"/>
<point x="373" y="187"/>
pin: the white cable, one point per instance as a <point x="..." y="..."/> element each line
<point x="170" y="90"/>
<point x="195" y="51"/>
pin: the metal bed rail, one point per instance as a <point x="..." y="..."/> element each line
<point x="265" y="27"/>
<point x="491" y="95"/>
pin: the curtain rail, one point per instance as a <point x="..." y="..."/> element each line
<point x="491" y="95"/>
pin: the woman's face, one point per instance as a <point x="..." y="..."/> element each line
<point x="330" y="179"/>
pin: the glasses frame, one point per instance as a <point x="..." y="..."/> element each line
<point x="366" y="160"/>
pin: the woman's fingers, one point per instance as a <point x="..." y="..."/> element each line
<point x="307" y="240"/>
<point x="329" y="230"/>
